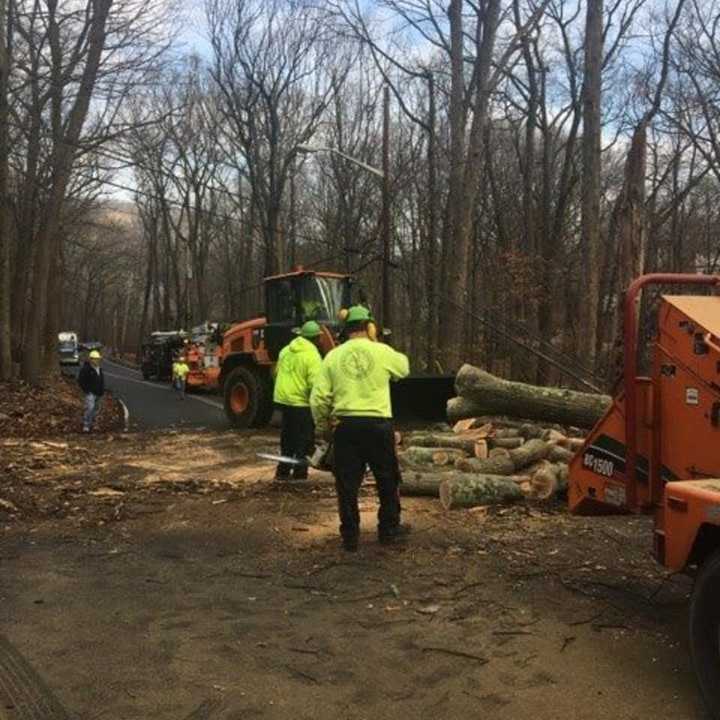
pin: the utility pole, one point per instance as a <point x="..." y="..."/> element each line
<point x="386" y="319"/>
<point x="293" y="220"/>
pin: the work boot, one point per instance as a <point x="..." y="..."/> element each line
<point x="395" y="535"/>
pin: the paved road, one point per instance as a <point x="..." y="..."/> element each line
<point x="154" y="405"/>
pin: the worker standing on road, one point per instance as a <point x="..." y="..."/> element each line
<point x="296" y="370"/>
<point x="180" y="372"/>
<point x="92" y="382"/>
<point x="353" y="389"/>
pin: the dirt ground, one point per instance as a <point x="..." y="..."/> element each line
<point x="167" y="576"/>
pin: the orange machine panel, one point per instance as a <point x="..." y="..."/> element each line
<point x="689" y="428"/>
<point x="597" y="472"/>
<point x="688" y="506"/>
<point x="690" y="332"/>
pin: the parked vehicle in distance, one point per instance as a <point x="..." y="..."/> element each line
<point x="68" y="350"/>
<point x="89" y="345"/>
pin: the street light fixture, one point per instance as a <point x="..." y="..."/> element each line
<point x="384" y="175"/>
<point x="307" y="149"/>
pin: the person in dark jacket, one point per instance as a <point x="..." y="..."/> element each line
<point x="92" y="383"/>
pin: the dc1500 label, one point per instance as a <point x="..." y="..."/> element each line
<point x="599" y="465"/>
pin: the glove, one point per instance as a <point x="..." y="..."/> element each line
<point x="319" y="455"/>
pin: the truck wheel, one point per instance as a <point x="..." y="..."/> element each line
<point x="248" y="397"/>
<point x="705" y="632"/>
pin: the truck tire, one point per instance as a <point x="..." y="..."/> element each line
<point x="705" y="632"/>
<point x="248" y="397"/>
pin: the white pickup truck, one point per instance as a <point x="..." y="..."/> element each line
<point x="68" y="348"/>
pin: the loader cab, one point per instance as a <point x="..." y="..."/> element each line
<point x="292" y="299"/>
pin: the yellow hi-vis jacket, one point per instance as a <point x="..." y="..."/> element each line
<point x="354" y="381"/>
<point x="180" y="370"/>
<point x="297" y="367"/>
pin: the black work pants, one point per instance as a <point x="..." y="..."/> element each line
<point x="361" y="441"/>
<point x="297" y="439"/>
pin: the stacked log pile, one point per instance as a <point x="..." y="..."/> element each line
<point x="509" y="441"/>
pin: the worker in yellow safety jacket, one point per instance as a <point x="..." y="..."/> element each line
<point x="180" y="370"/>
<point x="352" y="389"/>
<point x="297" y="367"/>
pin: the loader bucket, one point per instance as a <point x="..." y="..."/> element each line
<point x="422" y="397"/>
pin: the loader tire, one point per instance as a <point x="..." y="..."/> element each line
<point x="705" y="632"/>
<point x="248" y="397"/>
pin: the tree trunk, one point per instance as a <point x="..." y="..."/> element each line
<point x="484" y="394"/>
<point x="65" y="141"/>
<point x="462" y="210"/>
<point x="5" y="207"/>
<point x="469" y="491"/>
<point x="591" y="187"/>
<point x="432" y="224"/>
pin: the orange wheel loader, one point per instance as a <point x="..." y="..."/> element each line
<point x="657" y="450"/>
<point x="242" y="363"/>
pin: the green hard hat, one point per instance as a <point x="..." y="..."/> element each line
<point x="309" y="330"/>
<point x="358" y="313"/>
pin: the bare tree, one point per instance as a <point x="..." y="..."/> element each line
<point x="276" y="73"/>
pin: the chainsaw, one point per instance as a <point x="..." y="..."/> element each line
<point x="321" y="459"/>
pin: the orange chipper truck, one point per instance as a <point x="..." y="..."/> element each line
<point x="657" y="450"/>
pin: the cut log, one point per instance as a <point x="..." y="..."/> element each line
<point x="499" y="452"/>
<point x="416" y="483"/>
<point x="435" y="456"/>
<point x="490" y="466"/>
<point x="481" y="449"/>
<point x="549" y="480"/>
<point x="484" y="394"/>
<point x="573" y="443"/>
<point x="506" y="442"/>
<point x="458" y="442"/>
<point x="517" y="459"/>
<point x="554" y="436"/>
<point x="558" y="453"/>
<point x="459" y="492"/>
<point x="530" y="431"/>
<point x="502" y="433"/>
<point x="463" y="425"/>
<point x="529" y="452"/>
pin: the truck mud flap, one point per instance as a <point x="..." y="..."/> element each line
<point x="23" y="693"/>
<point x="422" y="397"/>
